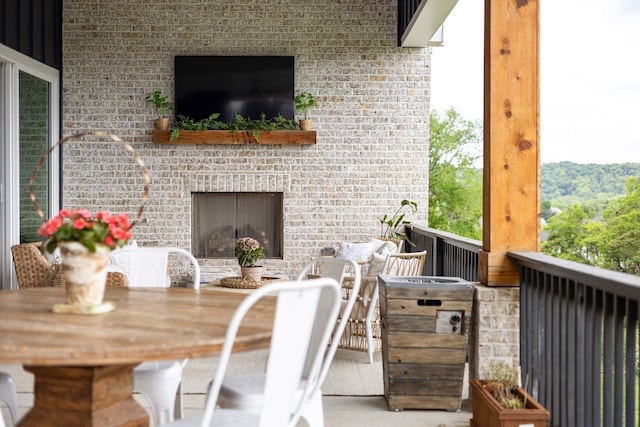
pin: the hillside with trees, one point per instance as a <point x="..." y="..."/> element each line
<point x="565" y="184"/>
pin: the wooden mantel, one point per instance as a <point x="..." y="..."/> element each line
<point x="227" y="137"/>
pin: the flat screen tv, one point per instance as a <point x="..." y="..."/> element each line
<point x="246" y="85"/>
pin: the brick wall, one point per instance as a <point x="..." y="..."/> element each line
<point x="495" y="333"/>
<point x="371" y="119"/>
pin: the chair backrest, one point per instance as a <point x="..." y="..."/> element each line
<point x="33" y="269"/>
<point x="306" y="311"/>
<point x="406" y="264"/>
<point x="336" y="269"/>
<point x="147" y="266"/>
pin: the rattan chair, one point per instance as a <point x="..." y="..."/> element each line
<point x="363" y="331"/>
<point x="34" y="270"/>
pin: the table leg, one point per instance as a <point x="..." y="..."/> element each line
<point x="84" y="397"/>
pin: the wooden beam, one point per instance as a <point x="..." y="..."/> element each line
<point x="511" y="137"/>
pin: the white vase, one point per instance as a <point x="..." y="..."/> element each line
<point x="253" y="273"/>
<point x="84" y="273"/>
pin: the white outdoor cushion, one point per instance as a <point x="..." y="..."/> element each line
<point x="357" y="251"/>
<point x="386" y="247"/>
<point x="376" y="264"/>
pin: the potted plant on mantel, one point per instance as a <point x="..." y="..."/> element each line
<point x="304" y="102"/>
<point x="163" y="107"/>
<point x="498" y="401"/>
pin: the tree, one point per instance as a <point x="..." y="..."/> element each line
<point x="621" y="239"/>
<point x="455" y="185"/>
<point x="566" y="231"/>
<point x="609" y="240"/>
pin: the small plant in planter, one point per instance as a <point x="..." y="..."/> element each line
<point x="392" y="227"/>
<point x="162" y="106"/>
<point x="502" y="380"/>
<point x="304" y="102"/>
<point x="248" y="252"/>
<point x="498" y="401"/>
<point x="238" y="124"/>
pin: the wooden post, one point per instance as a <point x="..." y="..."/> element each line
<point x="511" y="137"/>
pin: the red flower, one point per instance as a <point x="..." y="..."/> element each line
<point x="80" y="226"/>
<point x="79" y="223"/>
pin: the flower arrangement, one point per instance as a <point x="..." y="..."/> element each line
<point x="80" y="226"/>
<point x="248" y="251"/>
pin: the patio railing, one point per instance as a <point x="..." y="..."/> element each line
<point x="579" y="330"/>
<point x="447" y="254"/>
<point x="579" y="340"/>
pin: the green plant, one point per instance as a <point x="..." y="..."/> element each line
<point x="248" y="251"/>
<point x="80" y="226"/>
<point x="502" y="379"/>
<point x="239" y="123"/>
<point x="304" y="102"/>
<point x="392" y="227"/>
<point x="160" y="102"/>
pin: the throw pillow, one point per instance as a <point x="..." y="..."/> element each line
<point x="376" y="264"/>
<point x="387" y="246"/>
<point x="356" y="251"/>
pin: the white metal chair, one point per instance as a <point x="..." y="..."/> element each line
<point x="245" y="392"/>
<point x="9" y="395"/>
<point x="159" y="381"/>
<point x="306" y="313"/>
<point x="363" y="330"/>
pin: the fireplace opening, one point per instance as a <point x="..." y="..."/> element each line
<point x="219" y="219"/>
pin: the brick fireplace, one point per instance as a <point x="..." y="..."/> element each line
<point x="218" y="219"/>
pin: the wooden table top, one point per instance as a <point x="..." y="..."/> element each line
<point x="147" y="324"/>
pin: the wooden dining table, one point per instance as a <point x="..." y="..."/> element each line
<point x="83" y="364"/>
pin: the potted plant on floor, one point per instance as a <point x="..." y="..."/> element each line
<point x="304" y="102"/>
<point x="163" y="107"/>
<point x="393" y="227"/>
<point x="498" y="401"/>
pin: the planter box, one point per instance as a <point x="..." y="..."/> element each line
<point x="227" y="137"/>
<point x="487" y="412"/>
<point x="425" y="325"/>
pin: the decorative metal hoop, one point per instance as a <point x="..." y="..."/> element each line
<point x="126" y="145"/>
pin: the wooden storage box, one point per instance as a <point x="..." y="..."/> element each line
<point x="425" y="328"/>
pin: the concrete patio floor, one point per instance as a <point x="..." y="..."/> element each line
<point x="353" y="393"/>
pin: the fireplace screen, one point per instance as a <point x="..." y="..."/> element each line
<point x="218" y="219"/>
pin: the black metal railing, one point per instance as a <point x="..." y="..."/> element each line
<point x="579" y="342"/>
<point x="447" y="254"/>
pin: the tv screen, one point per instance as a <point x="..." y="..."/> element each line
<point x="246" y="85"/>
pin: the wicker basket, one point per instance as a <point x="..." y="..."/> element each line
<point x="52" y="275"/>
<point x="245" y="283"/>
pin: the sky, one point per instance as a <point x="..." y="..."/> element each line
<point x="589" y="76"/>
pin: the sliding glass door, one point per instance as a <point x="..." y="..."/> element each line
<point x="28" y="127"/>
